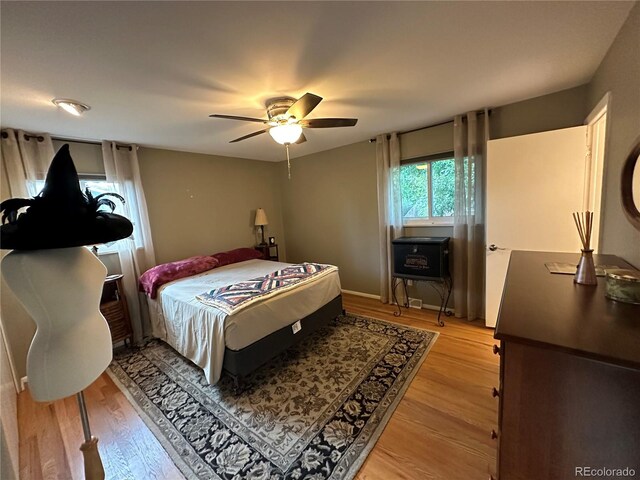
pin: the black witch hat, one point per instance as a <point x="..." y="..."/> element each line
<point x="61" y="215"/>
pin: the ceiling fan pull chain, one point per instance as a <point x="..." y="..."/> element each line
<point x="286" y="146"/>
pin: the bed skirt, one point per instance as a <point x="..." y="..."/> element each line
<point x="239" y="363"/>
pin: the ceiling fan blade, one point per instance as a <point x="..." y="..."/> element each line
<point x="302" y="139"/>
<point x="303" y="106"/>
<point x="260" y="132"/>
<point x="244" y="119"/>
<point x="328" y="122"/>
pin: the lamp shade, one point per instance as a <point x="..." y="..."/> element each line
<point x="261" y="217"/>
<point x="286" y="133"/>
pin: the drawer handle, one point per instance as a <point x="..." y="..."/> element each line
<point x="495" y="392"/>
<point x="496" y="350"/>
<point x="494" y="435"/>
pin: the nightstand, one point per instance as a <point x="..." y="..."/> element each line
<point x="269" y="252"/>
<point x="113" y="306"/>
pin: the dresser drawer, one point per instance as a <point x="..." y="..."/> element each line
<point x="560" y="411"/>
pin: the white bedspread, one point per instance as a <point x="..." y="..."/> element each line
<point x="200" y="332"/>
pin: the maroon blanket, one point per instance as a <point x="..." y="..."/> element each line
<point x="151" y="280"/>
<point x="157" y="276"/>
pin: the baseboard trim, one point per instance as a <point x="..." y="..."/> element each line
<point x="426" y="306"/>
<point x="23" y="383"/>
<point x="362" y="294"/>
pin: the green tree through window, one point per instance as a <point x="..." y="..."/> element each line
<point x="414" y="186"/>
<point x="443" y="174"/>
<point x="427" y="190"/>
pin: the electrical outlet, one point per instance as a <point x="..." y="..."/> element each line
<point x="409" y="283"/>
<point x="296" y="327"/>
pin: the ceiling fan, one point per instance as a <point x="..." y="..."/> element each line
<point x="287" y="119"/>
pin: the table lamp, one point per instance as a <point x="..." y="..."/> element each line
<point x="59" y="282"/>
<point x="261" y="221"/>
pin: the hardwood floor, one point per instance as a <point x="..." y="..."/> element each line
<point x="440" y="430"/>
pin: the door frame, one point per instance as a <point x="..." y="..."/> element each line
<point x="595" y="181"/>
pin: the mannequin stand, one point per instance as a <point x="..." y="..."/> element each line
<point x="72" y="343"/>
<point x="59" y="282"/>
<point x="93" y="469"/>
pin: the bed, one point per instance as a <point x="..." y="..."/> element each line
<point x="240" y="342"/>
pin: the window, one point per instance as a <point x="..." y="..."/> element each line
<point x="97" y="185"/>
<point x="427" y="187"/>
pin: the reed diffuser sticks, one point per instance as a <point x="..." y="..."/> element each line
<point x="586" y="271"/>
<point x="584" y="222"/>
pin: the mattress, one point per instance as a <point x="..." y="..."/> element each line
<point x="201" y="332"/>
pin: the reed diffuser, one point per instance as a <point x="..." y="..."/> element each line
<point x="586" y="272"/>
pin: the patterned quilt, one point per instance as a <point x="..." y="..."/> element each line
<point x="232" y="298"/>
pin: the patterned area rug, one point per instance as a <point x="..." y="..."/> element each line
<point x="313" y="413"/>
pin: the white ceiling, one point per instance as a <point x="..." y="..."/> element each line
<point x="153" y="71"/>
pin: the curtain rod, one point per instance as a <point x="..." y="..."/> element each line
<point x="27" y="136"/>
<point x="86" y="142"/>
<point x="480" y="112"/>
<point x="90" y="142"/>
<point x="40" y="138"/>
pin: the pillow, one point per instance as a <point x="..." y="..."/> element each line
<point x="157" y="276"/>
<point x="237" y="255"/>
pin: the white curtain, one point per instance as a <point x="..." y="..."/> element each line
<point x="470" y="136"/>
<point x="136" y="252"/>
<point x="389" y="210"/>
<point x="25" y="159"/>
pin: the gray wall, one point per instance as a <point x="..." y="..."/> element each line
<point x="203" y="204"/>
<point x="563" y="109"/>
<point x="331" y="214"/>
<point x="619" y="73"/>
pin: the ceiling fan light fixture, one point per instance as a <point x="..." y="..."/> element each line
<point x="284" y="134"/>
<point x="71" y="106"/>
<point x="287" y="119"/>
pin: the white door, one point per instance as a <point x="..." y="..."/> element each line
<point x="534" y="183"/>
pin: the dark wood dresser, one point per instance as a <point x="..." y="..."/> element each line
<point x="569" y="375"/>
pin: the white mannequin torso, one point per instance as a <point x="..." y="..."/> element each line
<point x="61" y="290"/>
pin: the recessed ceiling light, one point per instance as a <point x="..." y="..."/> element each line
<point x="72" y="106"/>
